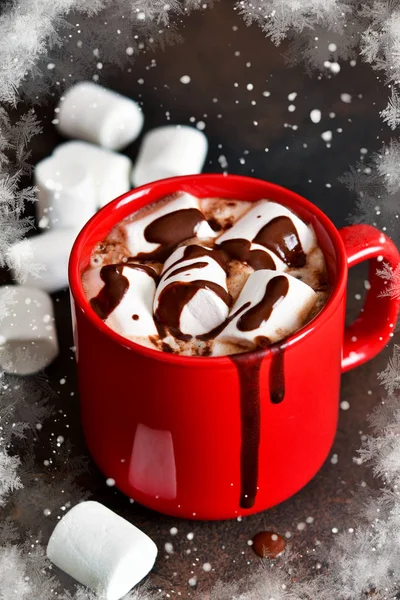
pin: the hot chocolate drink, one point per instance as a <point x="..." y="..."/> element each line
<point x="207" y="277"/>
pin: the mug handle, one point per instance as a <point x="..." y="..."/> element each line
<point x="374" y="327"/>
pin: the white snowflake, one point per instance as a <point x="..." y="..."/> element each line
<point x="390" y="377"/>
<point x="9" y="479"/>
<point x="392" y="278"/>
<point x="391" y="114"/>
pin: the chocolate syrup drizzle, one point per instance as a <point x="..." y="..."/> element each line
<point x="115" y="287"/>
<point x="197" y="265"/>
<point x="281" y="237"/>
<point x="194" y="251"/>
<point x="176" y="295"/>
<point x="170" y="230"/>
<point x="206" y="337"/>
<point x="277" y="374"/>
<point x="275" y="291"/>
<point x="174" y="298"/>
<point x="240" y="250"/>
<point x="248" y="368"/>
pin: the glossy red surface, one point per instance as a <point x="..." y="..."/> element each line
<point x="167" y="428"/>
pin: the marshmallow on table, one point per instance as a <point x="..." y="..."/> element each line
<point x="270" y="307"/>
<point x="42" y="261"/>
<point x="276" y="228"/>
<point x="28" y="338"/>
<point x="170" y="151"/>
<point x="66" y="193"/>
<point x="101" y="550"/>
<point x="184" y="303"/>
<point x="143" y="235"/>
<point x="93" y="113"/>
<point x="110" y="170"/>
<point x="132" y="316"/>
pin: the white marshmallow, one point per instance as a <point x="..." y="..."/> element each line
<point x="205" y="310"/>
<point x="42" y="261"/>
<point x="93" y="113"/>
<point x="133" y="231"/>
<point x="28" y="339"/>
<point x="287" y="316"/>
<point x="110" y="170"/>
<point x="169" y="151"/>
<point x="137" y="300"/>
<point x="66" y="193"/>
<point x="264" y="211"/>
<point x="101" y="550"/>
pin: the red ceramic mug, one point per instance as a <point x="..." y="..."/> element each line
<point x="218" y="437"/>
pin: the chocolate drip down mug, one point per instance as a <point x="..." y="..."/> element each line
<point x="218" y="437"/>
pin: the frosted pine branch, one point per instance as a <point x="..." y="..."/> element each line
<point x="390" y="377"/>
<point x="276" y="18"/>
<point x="387" y="166"/>
<point x="392" y="279"/>
<point x="27" y="31"/>
<point x="9" y="479"/>
<point x="377" y="187"/>
<point x="391" y="114"/>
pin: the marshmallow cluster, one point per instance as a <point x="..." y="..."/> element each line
<point x="80" y="177"/>
<point x="192" y="298"/>
<point x="101" y="550"/>
<point x="86" y="173"/>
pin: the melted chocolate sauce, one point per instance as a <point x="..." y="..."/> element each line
<point x="240" y="250"/>
<point x="275" y="291"/>
<point x="174" y="298"/>
<point x="277" y="374"/>
<point x="170" y="230"/>
<point x="145" y="268"/>
<point x="194" y="251"/>
<point x="213" y="223"/>
<point x="197" y="265"/>
<point x="248" y="368"/>
<point x="268" y="544"/>
<point x="111" y="294"/>
<point x="206" y="337"/>
<point x="281" y="237"/>
<point x="115" y="287"/>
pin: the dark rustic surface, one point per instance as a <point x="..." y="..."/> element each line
<point x="208" y="55"/>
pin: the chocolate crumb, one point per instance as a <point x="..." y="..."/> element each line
<point x="268" y="544"/>
<point x="215" y="226"/>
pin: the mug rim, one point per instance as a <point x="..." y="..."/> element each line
<point x="205" y="179"/>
